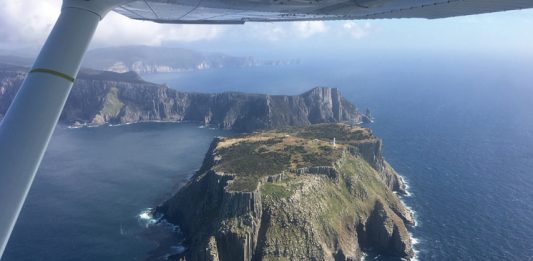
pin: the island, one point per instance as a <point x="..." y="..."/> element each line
<point x="318" y="192"/>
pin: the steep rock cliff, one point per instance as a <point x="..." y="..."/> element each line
<point x="105" y="97"/>
<point x="291" y="195"/>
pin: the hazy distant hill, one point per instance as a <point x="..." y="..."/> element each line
<point x="6" y="60"/>
<point x="145" y="59"/>
<point x="117" y="98"/>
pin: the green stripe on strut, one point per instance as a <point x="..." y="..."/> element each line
<point x="55" y="73"/>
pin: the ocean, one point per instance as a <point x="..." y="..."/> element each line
<point x="459" y="129"/>
<point x="93" y="185"/>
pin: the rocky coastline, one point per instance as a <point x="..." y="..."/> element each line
<point x="292" y="195"/>
<point x="103" y="98"/>
<point x="307" y="187"/>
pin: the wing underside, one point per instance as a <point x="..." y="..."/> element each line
<point x="241" y="11"/>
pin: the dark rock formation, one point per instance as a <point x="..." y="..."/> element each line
<point x="117" y="98"/>
<point x="367" y="116"/>
<point x="383" y="234"/>
<point x="371" y="152"/>
<point x="233" y="210"/>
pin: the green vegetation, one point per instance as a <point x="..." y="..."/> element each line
<point x="112" y="104"/>
<point x="276" y="191"/>
<point x="322" y="207"/>
<point x="249" y="159"/>
<point x="252" y="157"/>
<point x="344" y="134"/>
<point x="243" y="183"/>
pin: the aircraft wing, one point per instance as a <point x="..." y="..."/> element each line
<point x="241" y="11"/>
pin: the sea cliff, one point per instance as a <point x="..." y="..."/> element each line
<point x="99" y="98"/>
<point x="293" y="194"/>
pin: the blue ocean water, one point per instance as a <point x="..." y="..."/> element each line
<point x="94" y="182"/>
<point x="459" y="129"/>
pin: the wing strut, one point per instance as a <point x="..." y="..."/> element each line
<point x="30" y="121"/>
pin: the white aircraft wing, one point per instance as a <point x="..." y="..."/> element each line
<point x="241" y="11"/>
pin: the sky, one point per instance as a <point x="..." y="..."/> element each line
<point x="24" y="25"/>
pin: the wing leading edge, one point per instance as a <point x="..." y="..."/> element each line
<point x="241" y="11"/>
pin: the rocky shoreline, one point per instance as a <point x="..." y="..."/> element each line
<point x="102" y="98"/>
<point x="318" y="204"/>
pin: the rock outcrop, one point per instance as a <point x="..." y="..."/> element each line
<point x="116" y="98"/>
<point x="292" y="195"/>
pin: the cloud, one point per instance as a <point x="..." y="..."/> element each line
<point x="270" y="32"/>
<point x="308" y="29"/>
<point x="357" y="30"/>
<point x="276" y="32"/>
<point x="116" y="29"/>
<point x="27" y="24"/>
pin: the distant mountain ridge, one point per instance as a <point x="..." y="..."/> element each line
<point x="12" y="60"/>
<point x="100" y="98"/>
<point x="146" y="59"/>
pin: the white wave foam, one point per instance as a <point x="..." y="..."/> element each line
<point x="413" y="213"/>
<point x="179" y="249"/>
<point x="415" y="241"/>
<point x="122" y="231"/>
<point x="146" y="217"/>
<point x="408" y="193"/>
